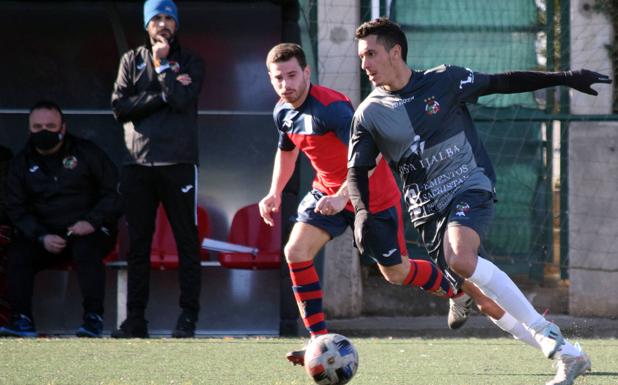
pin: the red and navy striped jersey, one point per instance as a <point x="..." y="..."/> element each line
<point x="320" y="128"/>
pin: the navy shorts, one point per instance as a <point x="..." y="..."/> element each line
<point x="387" y="241"/>
<point x="470" y="208"/>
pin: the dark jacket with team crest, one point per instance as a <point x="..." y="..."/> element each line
<point x="158" y="113"/>
<point x="81" y="185"/>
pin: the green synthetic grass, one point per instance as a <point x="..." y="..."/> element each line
<point x="260" y="361"/>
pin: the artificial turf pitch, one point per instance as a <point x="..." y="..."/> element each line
<point x="261" y="361"/>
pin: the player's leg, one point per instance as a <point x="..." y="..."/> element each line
<point x="308" y="236"/>
<point x="462" y="253"/>
<point x="469" y="218"/>
<point x="304" y="243"/>
<point x="571" y="361"/>
<point x="497" y="315"/>
<point x="386" y="245"/>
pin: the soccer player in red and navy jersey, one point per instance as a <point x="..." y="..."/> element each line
<point x="316" y="120"/>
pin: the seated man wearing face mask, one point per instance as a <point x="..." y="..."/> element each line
<point x="62" y="200"/>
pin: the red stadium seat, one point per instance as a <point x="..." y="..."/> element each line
<point x="164" y="254"/>
<point x="249" y="229"/>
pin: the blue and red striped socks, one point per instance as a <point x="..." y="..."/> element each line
<point x="308" y="295"/>
<point x="428" y="277"/>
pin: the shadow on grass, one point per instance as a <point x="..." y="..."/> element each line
<point x="602" y="374"/>
<point x="511" y="374"/>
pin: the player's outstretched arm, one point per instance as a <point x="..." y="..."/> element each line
<point x="525" y="81"/>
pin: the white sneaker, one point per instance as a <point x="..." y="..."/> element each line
<point x="550" y="339"/>
<point x="569" y="368"/>
<point x="459" y="310"/>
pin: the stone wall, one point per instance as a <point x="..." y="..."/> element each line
<point x="593" y="170"/>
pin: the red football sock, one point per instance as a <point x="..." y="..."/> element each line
<point x="308" y="295"/>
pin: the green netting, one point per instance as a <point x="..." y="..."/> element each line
<point x="485" y="36"/>
<point x="492" y="37"/>
<point x="465" y="13"/>
<point x="515" y="149"/>
<point x="484" y="52"/>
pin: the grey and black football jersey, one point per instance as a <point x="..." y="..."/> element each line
<point x="426" y="133"/>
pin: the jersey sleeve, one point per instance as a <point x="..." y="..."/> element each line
<point x="284" y="143"/>
<point x="338" y="119"/>
<point x="362" y="150"/>
<point x="468" y="84"/>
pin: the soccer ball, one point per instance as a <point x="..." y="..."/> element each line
<point x="331" y="359"/>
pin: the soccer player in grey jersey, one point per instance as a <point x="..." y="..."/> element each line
<point x="418" y="120"/>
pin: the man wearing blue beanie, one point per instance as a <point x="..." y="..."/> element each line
<point x="155" y="98"/>
<point x="154" y="7"/>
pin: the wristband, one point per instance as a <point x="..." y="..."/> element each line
<point x="161" y="65"/>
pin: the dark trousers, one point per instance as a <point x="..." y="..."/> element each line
<point x="143" y="188"/>
<point x="28" y="257"/>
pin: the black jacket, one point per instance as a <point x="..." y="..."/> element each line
<point x="84" y="186"/>
<point x="159" y="113"/>
<point x="5" y="156"/>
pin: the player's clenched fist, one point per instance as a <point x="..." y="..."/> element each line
<point x="268" y="205"/>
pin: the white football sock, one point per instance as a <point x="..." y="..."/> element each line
<point x="517" y="329"/>
<point x="499" y="287"/>
<point x="567" y="348"/>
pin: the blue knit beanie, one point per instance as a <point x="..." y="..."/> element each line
<point x="154" y="7"/>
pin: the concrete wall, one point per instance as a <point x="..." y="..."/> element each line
<point x="338" y="64"/>
<point x="593" y="166"/>
<point x="343" y="284"/>
<point x="590" y="33"/>
<point x="339" y="68"/>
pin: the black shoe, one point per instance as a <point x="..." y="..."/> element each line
<point x="20" y="326"/>
<point x="132" y="327"/>
<point x="185" y="326"/>
<point x="297" y="357"/>
<point x="92" y="326"/>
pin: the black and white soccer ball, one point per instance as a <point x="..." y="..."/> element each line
<point x="331" y="359"/>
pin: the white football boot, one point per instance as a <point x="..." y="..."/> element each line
<point x="569" y="367"/>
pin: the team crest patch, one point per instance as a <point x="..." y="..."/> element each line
<point x="462" y="209"/>
<point x="432" y="106"/>
<point x="174" y="66"/>
<point x="70" y="162"/>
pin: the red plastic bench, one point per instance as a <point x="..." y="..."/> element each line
<point x="249" y="229"/>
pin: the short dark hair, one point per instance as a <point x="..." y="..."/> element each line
<point x="284" y="52"/>
<point x="47" y="105"/>
<point x="387" y="33"/>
